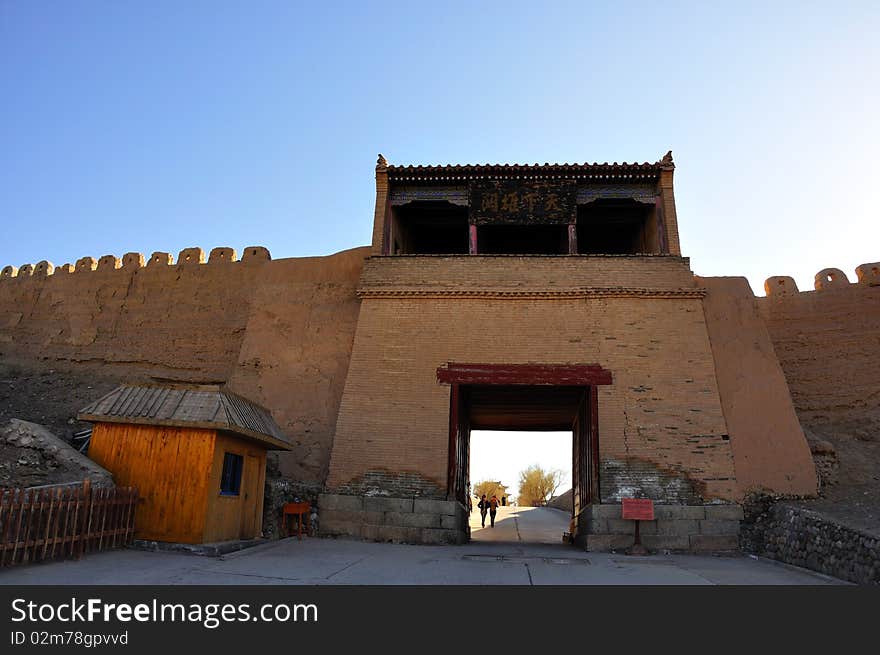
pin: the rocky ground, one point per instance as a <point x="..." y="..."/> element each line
<point x="32" y="456"/>
<point x="50" y="397"/>
<point x="851" y="492"/>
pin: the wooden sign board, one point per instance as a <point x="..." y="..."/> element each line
<point x="638" y="509"/>
<point x="522" y="202"/>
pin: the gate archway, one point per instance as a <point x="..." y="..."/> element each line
<point x="524" y="397"/>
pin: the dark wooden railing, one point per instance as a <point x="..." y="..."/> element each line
<point x="64" y="522"/>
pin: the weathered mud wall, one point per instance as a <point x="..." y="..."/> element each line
<point x="770" y="451"/>
<point x="828" y="343"/>
<point x="295" y="352"/>
<point x="279" y="332"/>
<point x="182" y="321"/>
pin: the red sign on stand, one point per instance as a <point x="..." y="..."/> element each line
<point x="638" y="509"/>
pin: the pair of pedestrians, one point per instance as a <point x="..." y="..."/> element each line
<point x="488" y="506"/>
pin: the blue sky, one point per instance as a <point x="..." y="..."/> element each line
<point x="142" y="126"/>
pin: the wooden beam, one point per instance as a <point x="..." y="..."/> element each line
<point x="660" y="217"/>
<point x="453" y="441"/>
<point x="534" y="374"/>
<point x="594" y="446"/>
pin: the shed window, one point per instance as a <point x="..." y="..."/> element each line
<point x="230" y="480"/>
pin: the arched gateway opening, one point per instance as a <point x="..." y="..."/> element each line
<point x="526" y="397"/>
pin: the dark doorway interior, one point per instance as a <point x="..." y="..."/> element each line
<point x="617" y="227"/>
<point x="430" y="228"/>
<point x="521" y="407"/>
<point x="523" y="239"/>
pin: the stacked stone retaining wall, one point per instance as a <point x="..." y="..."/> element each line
<point x="805" y="538"/>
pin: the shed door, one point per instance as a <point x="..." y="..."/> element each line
<point x="250" y="497"/>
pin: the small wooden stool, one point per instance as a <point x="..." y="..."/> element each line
<point x="299" y="510"/>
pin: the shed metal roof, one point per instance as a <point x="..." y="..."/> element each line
<point x="203" y="406"/>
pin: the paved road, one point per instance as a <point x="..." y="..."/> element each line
<point x="340" y="561"/>
<point x="541" y="525"/>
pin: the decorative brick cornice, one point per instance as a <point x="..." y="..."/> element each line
<point x="576" y="293"/>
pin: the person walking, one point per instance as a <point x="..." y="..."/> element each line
<point x="493" y="508"/>
<point x="483" y="505"/>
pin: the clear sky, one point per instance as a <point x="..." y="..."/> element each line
<point x="502" y="455"/>
<point x="160" y="125"/>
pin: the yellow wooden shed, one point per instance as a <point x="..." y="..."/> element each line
<point x="196" y="453"/>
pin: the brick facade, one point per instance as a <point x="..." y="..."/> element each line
<point x="661" y="428"/>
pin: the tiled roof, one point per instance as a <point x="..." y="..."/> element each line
<point x="635" y="171"/>
<point x="187" y="406"/>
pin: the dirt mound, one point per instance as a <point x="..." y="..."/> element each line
<point x="32" y="456"/>
<point x="50" y="397"/>
<point x="847" y="453"/>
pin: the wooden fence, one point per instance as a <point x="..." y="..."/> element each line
<point x="64" y="522"/>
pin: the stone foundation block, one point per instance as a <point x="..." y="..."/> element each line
<point x="393" y="533"/>
<point x="666" y="542"/>
<point x="627" y="526"/>
<point x="719" y="527"/>
<point x="340" y="502"/>
<point x="619" y="526"/>
<point x="417" y="520"/>
<point x="452" y="523"/>
<point x="679" y="512"/>
<point x="342" y="515"/>
<point x="645" y="527"/>
<point x="385" y="504"/>
<point x="333" y="527"/>
<point x="433" y="506"/>
<point x="724" y="512"/>
<point x="678" y="528"/>
<point x="606" y="511"/>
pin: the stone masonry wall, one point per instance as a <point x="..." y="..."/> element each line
<point x="397" y="519"/>
<point x="693" y="528"/>
<point x="805" y="538"/>
<point x="278" y="331"/>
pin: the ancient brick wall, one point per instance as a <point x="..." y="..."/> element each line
<point x="769" y="448"/>
<point x="661" y="428"/>
<point x="278" y="331"/>
<point x="828" y="342"/>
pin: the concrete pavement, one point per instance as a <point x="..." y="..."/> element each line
<point x="347" y="562"/>
<point x="540" y="525"/>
